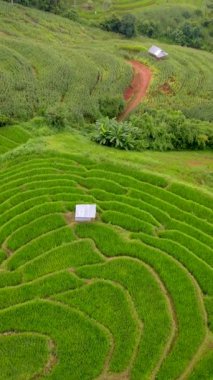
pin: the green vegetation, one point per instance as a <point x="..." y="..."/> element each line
<point x="67" y="73"/>
<point x="109" y="132"/>
<point x="73" y="340"/>
<point x="181" y="82"/>
<point x="56" y="75"/>
<point x="129" y="295"/>
<point x="111" y="305"/>
<point x="13" y="354"/>
<point x="12" y="137"/>
<point x="126" y="292"/>
<point x="155" y="130"/>
<point x="175" y="24"/>
<point x="186" y="23"/>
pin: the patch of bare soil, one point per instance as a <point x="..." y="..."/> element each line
<point x="121" y="376"/>
<point x="69" y="217"/>
<point x="166" y="89"/>
<point x="138" y="88"/>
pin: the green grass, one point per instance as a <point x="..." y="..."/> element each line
<point x="197" y="166"/>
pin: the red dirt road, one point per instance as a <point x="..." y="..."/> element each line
<point x="138" y="88"/>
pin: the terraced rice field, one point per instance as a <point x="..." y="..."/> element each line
<point x="12" y="137"/>
<point x="183" y="81"/>
<point x="129" y="296"/>
<point x="99" y="7"/>
<point x="66" y="66"/>
<point x="75" y="67"/>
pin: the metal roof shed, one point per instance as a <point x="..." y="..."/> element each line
<point x="85" y="213"/>
<point x="157" y="52"/>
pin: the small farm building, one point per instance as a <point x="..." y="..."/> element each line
<point x="157" y="52"/>
<point x="85" y="213"/>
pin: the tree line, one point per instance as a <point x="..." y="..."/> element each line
<point x="45" y="5"/>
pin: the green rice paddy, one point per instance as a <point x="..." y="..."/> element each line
<point x="126" y="296"/>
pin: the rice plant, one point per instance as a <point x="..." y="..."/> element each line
<point x="129" y="294"/>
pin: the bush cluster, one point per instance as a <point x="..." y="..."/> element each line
<point x="56" y="117"/>
<point x="160" y="130"/>
<point x="186" y="34"/>
<point x="186" y="29"/>
<point x="111" y="106"/>
<point x="53" y="6"/>
<point x="45" y="5"/>
<point x="5" y="120"/>
<point x="125" y="25"/>
<point x="110" y="132"/>
<point x="171" y="130"/>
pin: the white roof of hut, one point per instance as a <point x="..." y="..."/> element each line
<point x="157" y="52"/>
<point x="84" y="213"/>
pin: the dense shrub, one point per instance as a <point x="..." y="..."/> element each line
<point x="160" y="130"/>
<point x="111" y="106"/>
<point x="45" y="5"/>
<point x="187" y="35"/>
<point x="71" y="14"/>
<point x="125" y="25"/>
<point x="128" y="26"/>
<point x="111" y="25"/>
<point x="179" y="26"/>
<point x="110" y="132"/>
<point x="56" y="117"/>
<point x="171" y="130"/>
<point x="5" y="120"/>
<point x="148" y="28"/>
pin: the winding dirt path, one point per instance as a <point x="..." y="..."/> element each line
<point x="138" y="88"/>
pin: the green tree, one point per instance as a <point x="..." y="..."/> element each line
<point x="45" y="5"/>
<point x="128" y="26"/>
<point x="125" y="26"/>
<point x="148" y="28"/>
<point x="111" y="25"/>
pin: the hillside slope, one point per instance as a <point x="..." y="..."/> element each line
<point x="76" y="68"/>
<point x="129" y="295"/>
<point x="65" y="64"/>
<point x="136" y="6"/>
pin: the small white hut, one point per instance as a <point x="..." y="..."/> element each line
<point x="157" y="52"/>
<point x="85" y="213"/>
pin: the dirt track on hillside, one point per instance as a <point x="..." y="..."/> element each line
<point x="138" y="88"/>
